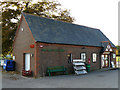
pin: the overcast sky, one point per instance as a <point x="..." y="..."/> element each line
<point x="101" y="14"/>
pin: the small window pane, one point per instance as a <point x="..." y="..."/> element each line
<point x="94" y="57"/>
<point x="83" y="56"/>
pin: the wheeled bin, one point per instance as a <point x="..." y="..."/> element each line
<point x="88" y="67"/>
<point x="9" y="65"/>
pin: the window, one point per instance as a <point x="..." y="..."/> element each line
<point x="83" y="56"/>
<point x="108" y="46"/>
<point x="110" y="49"/>
<point x="106" y="49"/>
<point x="114" y="55"/>
<point x="94" y="56"/>
<point x="70" y="58"/>
<point x="102" y="57"/>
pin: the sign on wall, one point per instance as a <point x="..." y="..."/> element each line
<point x="53" y="50"/>
<point x="106" y="53"/>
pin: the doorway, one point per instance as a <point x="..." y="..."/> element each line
<point x="105" y="61"/>
<point x="27" y="61"/>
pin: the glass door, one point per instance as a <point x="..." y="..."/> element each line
<point x="27" y="62"/>
<point x="104" y="61"/>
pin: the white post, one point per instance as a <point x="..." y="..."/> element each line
<point x="109" y="61"/>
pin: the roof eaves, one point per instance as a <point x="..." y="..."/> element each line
<point x="67" y="44"/>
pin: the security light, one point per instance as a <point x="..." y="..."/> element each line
<point x="22" y="29"/>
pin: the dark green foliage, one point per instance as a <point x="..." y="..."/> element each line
<point x="118" y="47"/>
<point x="43" y="9"/>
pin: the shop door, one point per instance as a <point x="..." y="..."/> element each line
<point x="27" y="62"/>
<point x="105" y="61"/>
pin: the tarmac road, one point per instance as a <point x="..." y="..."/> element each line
<point x="95" y="79"/>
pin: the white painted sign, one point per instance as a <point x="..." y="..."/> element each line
<point x="106" y="53"/>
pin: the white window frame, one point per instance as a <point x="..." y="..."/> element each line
<point x="83" y="56"/>
<point x="94" y="57"/>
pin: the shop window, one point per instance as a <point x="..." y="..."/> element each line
<point x="106" y="57"/>
<point x="94" y="56"/>
<point x="70" y="58"/>
<point x="102" y="58"/>
<point x="114" y="55"/>
<point x="83" y="56"/>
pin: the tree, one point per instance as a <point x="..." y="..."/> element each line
<point x="11" y="12"/>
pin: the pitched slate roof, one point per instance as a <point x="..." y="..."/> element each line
<point x="53" y="31"/>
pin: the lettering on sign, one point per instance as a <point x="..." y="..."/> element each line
<point x="53" y="50"/>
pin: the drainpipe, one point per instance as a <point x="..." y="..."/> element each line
<point x="109" y="60"/>
<point x="35" y="59"/>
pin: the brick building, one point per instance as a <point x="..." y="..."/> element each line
<point x="41" y="42"/>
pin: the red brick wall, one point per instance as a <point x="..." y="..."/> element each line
<point x="22" y="45"/>
<point x="52" y="58"/>
<point x="43" y="59"/>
